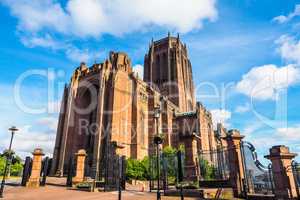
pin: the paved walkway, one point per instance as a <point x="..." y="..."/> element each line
<point x="59" y="192"/>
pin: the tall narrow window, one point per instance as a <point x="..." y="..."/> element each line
<point x="142" y="128"/>
<point x="164" y="68"/>
<point x="157" y="71"/>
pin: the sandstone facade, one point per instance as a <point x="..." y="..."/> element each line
<point x="108" y="103"/>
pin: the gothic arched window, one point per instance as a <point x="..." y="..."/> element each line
<point x="142" y="128"/>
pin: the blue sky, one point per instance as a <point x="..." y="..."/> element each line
<point x="250" y="47"/>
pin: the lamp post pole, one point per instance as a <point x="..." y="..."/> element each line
<point x="13" y="129"/>
<point x="158" y="172"/>
<point x="157" y="141"/>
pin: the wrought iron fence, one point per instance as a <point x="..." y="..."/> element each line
<point x="168" y="171"/>
<point x="172" y="171"/>
<point x="258" y="177"/>
<point x="296" y="173"/>
<point x="115" y="173"/>
<point x="214" y="165"/>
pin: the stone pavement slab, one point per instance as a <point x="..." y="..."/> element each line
<point x="61" y="193"/>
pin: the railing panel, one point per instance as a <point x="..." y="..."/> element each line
<point x="258" y="177"/>
<point x="296" y="173"/>
<point x="214" y="165"/>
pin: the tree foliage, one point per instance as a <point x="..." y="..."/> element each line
<point x="2" y="165"/>
<point x="208" y="171"/>
<point x="140" y="169"/>
<point x="137" y="169"/>
<point x="16" y="167"/>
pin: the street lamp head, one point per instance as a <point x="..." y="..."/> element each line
<point x="13" y="129"/>
<point x="158" y="140"/>
<point x="157" y="111"/>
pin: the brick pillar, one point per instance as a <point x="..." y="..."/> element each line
<point x="81" y="155"/>
<point x="281" y="158"/>
<point x="191" y="162"/>
<point x="34" y="180"/>
<point x="235" y="158"/>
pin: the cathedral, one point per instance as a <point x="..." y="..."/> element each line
<point x="108" y="103"/>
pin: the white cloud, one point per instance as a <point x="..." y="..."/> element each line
<point x="242" y="108"/>
<point x="95" y="17"/>
<point x="139" y="70"/>
<point x="46" y="42"/>
<point x="220" y="116"/>
<point x="81" y="55"/>
<point x="29" y="137"/>
<point x="283" y="19"/>
<point x="289" y="48"/>
<point x="263" y="82"/>
<point x="289" y="133"/>
<point x="35" y="15"/>
<point x="73" y="53"/>
<point x="49" y="122"/>
<point x="250" y="128"/>
<point x="54" y="107"/>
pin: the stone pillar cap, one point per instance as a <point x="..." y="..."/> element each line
<point x="81" y="152"/>
<point x="281" y="151"/>
<point x="38" y="151"/>
<point x="234" y="134"/>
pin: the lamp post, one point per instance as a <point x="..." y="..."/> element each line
<point x="13" y="129"/>
<point x="157" y="140"/>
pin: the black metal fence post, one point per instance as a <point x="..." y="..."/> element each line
<point x="165" y="175"/>
<point x="26" y="171"/>
<point x="158" y="173"/>
<point x="124" y="165"/>
<point x="271" y="178"/>
<point x="70" y="173"/>
<point x="151" y="174"/>
<point x="295" y="171"/>
<point x="245" y="180"/>
<point x="121" y="160"/>
<point x="180" y="173"/>
<point x="44" y="172"/>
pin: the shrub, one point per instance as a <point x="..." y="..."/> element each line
<point x="208" y="171"/>
<point x="2" y="165"/>
<point x="16" y="166"/>
<point x="16" y="169"/>
<point x="137" y="169"/>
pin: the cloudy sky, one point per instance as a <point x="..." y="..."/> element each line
<point x="245" y="57"/>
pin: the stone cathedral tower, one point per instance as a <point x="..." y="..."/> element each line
<point x="168" y="68"/>
<point x="107" y="110"/>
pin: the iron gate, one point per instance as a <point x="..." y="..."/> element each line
<point x="296" y="173"/>
<point x="153" y="169"/>
<point x="258" y="177"/>
<point x="26" y="170"/>
<point x="171" y="171"/>
<point x="214" y="165"/>
<point x="115" y="173"/>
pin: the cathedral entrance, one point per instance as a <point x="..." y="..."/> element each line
<point x="86" y="127"/>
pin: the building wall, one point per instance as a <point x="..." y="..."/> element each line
<point x="208" y="140"/>
<point x="124" y="111"/>
<point x="168" y="68"/>
<point x="140" y="120"/>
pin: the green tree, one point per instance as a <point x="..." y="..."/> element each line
<point x="2" y="165"/>
<point x="207" y="170"/>
<point x="138" y="169"/>
<point x="134" y="169"/>
<point x="169" y="151"/>
<point x="16" y="167"/>
<point x="15" y="157"/>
